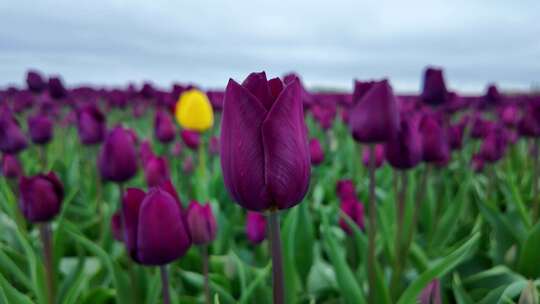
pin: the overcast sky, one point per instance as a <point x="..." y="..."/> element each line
<point x="111" y="42"/>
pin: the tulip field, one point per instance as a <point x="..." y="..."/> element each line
<point x="266" y="191"/>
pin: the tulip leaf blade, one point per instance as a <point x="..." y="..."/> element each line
<point x="528" y="260"/>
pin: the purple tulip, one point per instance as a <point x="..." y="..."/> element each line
<point x="492" y="95"/>
<point x="431" y="293"/>
<point x="145" y="151"/>
<point x="477" y="163"/>
<point x="11" y="167"/>
<point x="12" y="139"/>
<point x="41" y="197"/>
<point x="264" y="145"/>
<point x="435" y="146"/>
<point x="155" y="230"/>
<point x="255" y="227"/>
<point x="56" y="88"/>
<point x="117" y="159"/>
<point x="353" y="209"/>
<point x="375" y="118"/>
<point x="41" y="129"/>
<point x="509" y="115"/>
<point x="379" y="156"/>
<point x="455" y="136"/>
<point x="345" y="189"/>
<point x="201" y="223"/>
<point x="91" y="125"/>
<point x="164" y="127"/>
<point x="529" y="124"/>
<point x="176" y="150"/>
<point x="316" y="152"/>
<point x="405" y="150"/>
<point x="434" y="91"/>
<point x="116" y="226"/>
<point x="188" y="165"/>
<point x="191" y="139"/>
<point x="35" y="81"/>
<point x="156" y="171"/>
<point x="494" y="146"/>
<point x="213" y="146"/>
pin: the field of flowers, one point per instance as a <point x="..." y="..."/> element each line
<point x="266" y="192"/>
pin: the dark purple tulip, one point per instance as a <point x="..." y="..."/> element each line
<point x="164" y="127"/>
<point x="360" y="89"/>
<point x="145" y="151"/>
<point x="345" y="189"/>
<point x="375" y="118"/>
<point x="155" y="230"/>
<point x="116" y="226"/>
<point x="117" y="159"/>
<point x="431" y="293"/>
<point x="455" y="136"/>
<point x="379" y="156"/>
<point x="477" y="163"/>
<point x="11" y="167"/>
<point x="529" y="124"/>
<point x="35" y="81"/>
<point x="255" y="227"/>
<point x="201" y="223"/>
<point x="191" y="139"/>
<point x="264" y="145"/>
<point x="405" y="150"/>
<point x="41" y="129"/>
<point x="434" y="90"/>
<point x="435" y="146"/>
<point x="213" y="146"/>
<point x="56" y="88"/>
<point x="355" y="210"/>
<point x="316" y="152"/>
<point x="509" y="115"/>
<point x="479" y="127"/>
<point x="41" y="197"/>
<point x="494" y="146"/>
<point x="148" y="91"/>
<point x="12" y="139"/>
<point x="91" y="125"/>
<point x="492" y="95"/>
<point x="187" y="165"/>
<point x="156" y="171"/>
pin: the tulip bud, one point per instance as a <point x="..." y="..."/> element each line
<point x="375" y="118"/>
<point x="187" y="165"/>
<point x="353" y="209"/>
<point x="12" y="138"/>
<point x="316" y="152"/>
<point x="194" y="111"/>
<point x="435" y="146"/>
<point x="201" y="222"/>
<point x="155" y="230"/>
<point x="434" y="91"/>
<point x="494" y="146"/>
<point x="379" y="156"/>
<point x="529" y="124"/>
<point x="492" y="95"/>
<point x="35" y="81"/>
<point x="509" y="115"/>
<point x="164" y="127"/>
<point x="41" y="197"/>
<point x="156" y="171"/>
<point x="116" y="226"/>
<point x="405" y="150"/>
<point x="41" y="129"/>
<point x="91" y="125"/>
<point x="176" y="150"/>
<point x="11" y="168"/>
<point x="345" y="189"/>
<point x="255" y="227"/>
<point x="191" y="139"/>
<point x="117" y="159"/>
<point x="455" y="136"/>
<point x="56" y="88"/>
<point x="264" y="145"/>
<point x="431" y="293"/>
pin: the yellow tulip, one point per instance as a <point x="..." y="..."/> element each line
<point x="193" y="111"/>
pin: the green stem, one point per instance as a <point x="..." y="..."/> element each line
<point x="372" y="228"/>
<point x="398" y="246"/>
<point x="165" y="284"/>
<point x="208" y="294"/>
<point x="46" y="239"/>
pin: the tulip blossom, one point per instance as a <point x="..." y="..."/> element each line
<point x="264" y="146"/>
<point x="431" y="294"/>
<point x="494" y="146"/>
<point x="41" y="197"/>
<point x="193" y="111"/>
<point x="477" y="163"/>
<point x="255" y="227"/>
<point x="56" y="88"/>
<point x="455" y="136"/>
<point x="91" y="125"/>
<point x="156" y="170"/>
<point x="435" y="146"/>
<point x="35" y="81"/>
<point x="353" y="209"/>
<point x="11" y="167"/>
<point x="345" y="189"/>
<point x="41" y="129"/>
<point x="201" y="222"/>
<point x="188" y="165"/>
<point x="405" y="150"/>
<point x="164" y="127"/>
<point x="379" y="156"/>
<point x="117" y="226"/>
<point x="434" y="89"/>
<point x="191" y="139"/>
<point x="117" y="159"/>
<point x="316" y="152"/>
<point x="12" y="139"/>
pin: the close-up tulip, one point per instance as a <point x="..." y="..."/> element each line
<point x="11" y="167"/>
<point x="201" y="223"/>
<point x="156" y="170"/>
<point x="435" y="146"/>
<point x="191" y="139"/>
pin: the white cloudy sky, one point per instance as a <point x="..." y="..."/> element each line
<point x="111" y="42"/>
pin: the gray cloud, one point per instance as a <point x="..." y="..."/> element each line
<point x="111" y="42"/>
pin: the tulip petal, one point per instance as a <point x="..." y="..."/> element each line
<point x="287" y="160"/>
<point x="131" y="204"/>
<point x="257" y="84"/>
<point x="242" y="154"/>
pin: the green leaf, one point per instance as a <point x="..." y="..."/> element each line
<point x="439" y="269"/>
<point x="528" y="260"/>
<point x="459" y="292"/>
<point x="259" y="279"/>
<point x="12" y="295"/>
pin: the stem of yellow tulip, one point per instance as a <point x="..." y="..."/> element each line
<point x="204" y="250"/>
<point x="399" y="253"/>
<point x="165" y="284"/>
<point x="46" y="239"/>
<point x="277" y="258"/>
<point x="202" y="169"/>
<point x="372" y="228"/>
